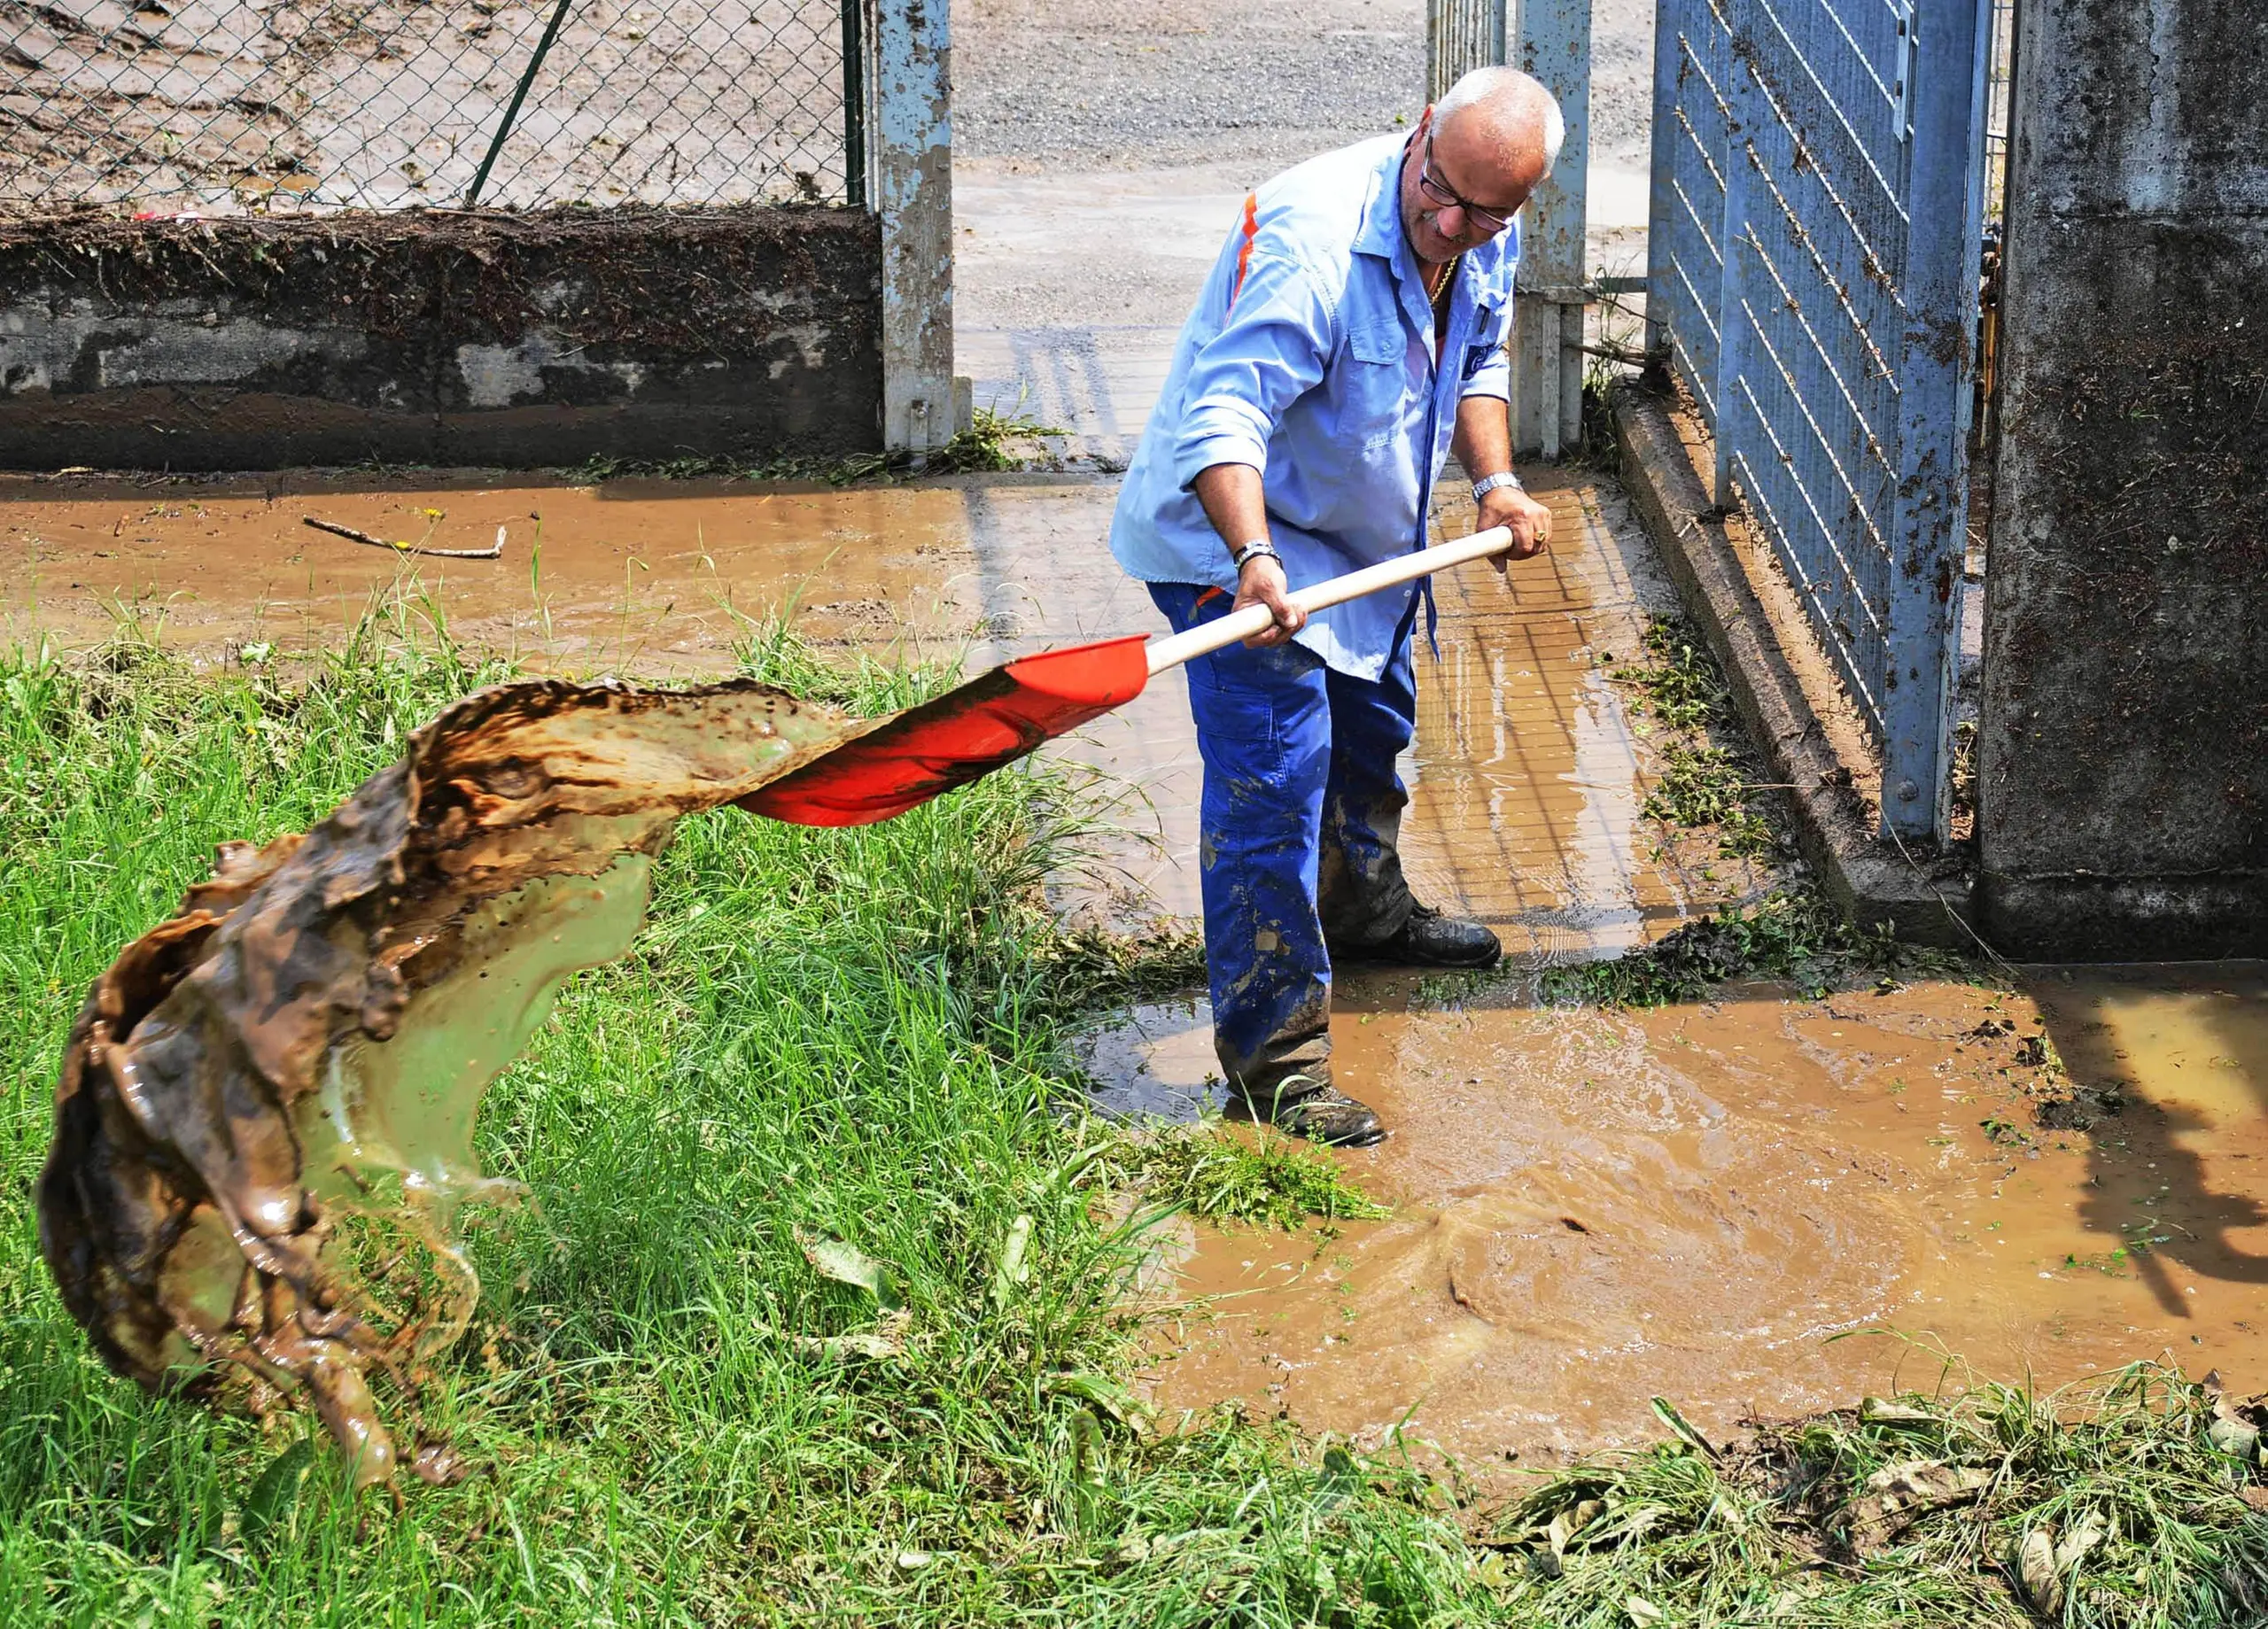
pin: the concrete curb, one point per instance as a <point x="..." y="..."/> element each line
<point x="1786" y="697"/>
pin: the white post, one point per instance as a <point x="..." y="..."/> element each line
<point x="911" y="162"/>
<point x="1555" y="45"/>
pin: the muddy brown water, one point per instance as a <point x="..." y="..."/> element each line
<point x="652" y="576"/>
<point x="1756" y="1207"/>
<point x="289" y="1068"/>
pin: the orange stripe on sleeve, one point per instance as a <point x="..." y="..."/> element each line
<point x="1244" y="254"/>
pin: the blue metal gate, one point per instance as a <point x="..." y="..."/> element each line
<point x="1813" y="253"/>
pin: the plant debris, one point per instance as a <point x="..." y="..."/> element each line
<point x="2116" y="1507"/>
<point x="495" y="552"/>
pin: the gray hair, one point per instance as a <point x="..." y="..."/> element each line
<point x="1507" y="92"/>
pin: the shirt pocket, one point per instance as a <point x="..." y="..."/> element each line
<point x="1481" y="349"/>
<point x="1378" y="381"/>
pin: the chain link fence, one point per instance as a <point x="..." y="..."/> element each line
<point x="234" y="106"/>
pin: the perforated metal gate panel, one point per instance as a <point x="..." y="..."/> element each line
<point x="1818" y="169"/>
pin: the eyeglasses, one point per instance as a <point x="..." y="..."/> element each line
<point x="1488" y="221"/>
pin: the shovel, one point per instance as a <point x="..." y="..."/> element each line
<point x="973" y="729"/>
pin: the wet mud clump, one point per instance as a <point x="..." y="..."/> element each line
<point x="263" y="1127"/>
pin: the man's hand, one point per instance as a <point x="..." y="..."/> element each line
<point x="1261" y="582"/>
<point x="1529" y="521"/>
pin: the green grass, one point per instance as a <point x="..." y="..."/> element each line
<point x="1704" y="786"/>
<point x="1269" y="1181"/>
<point x="1790" y="935"/>
<point x="849" y="1036"/>
<point x="1675" y="685"/>
<point x="1673" y="679"/>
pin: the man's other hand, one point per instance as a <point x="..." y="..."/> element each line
<point x="1529" y="521"/>
<point x="1261" y="582"/>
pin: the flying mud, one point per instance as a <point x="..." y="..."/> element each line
<point x="263" y="1129"/>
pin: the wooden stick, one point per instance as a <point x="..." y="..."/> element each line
<point x="353" y="536"/>
<point x="1223" y="632"/>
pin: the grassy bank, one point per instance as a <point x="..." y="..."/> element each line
<point x="830" y="1051"/>
<point x="811" y="1315"/>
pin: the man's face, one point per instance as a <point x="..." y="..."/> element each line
<point x="1464" y="165"/>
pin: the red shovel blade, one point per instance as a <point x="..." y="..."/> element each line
<point x="970" y="730"/>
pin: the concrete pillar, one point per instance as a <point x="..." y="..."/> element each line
<point x="2123" y="746"/>
<point x="911" y="162"/>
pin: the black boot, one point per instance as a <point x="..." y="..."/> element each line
<point x="1428" y="939"/>
<point x="1319" y="1113"/>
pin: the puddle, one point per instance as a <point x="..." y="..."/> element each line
<point x="1156" y="1063"/>
<point x="1724" y="1204"/>
<point x="629" y="575"/>
<point x="1526" y="774"/>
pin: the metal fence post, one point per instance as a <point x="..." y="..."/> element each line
<point x="1929" y="527"/>
<point x="512" y="113"/>
<point x="1732" y="313"/>
<point x="1555" y="45"/>
<point x="1661" y="194"/>
<point x="856" y="113"/>
<point x="910" y="163"/>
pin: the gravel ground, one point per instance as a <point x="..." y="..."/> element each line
<point x="1118" y="84"/>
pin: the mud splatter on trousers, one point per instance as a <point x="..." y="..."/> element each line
<point x="1299" y="826"/>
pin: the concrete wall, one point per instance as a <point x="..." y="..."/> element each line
<point x="2122" y="750"/>
<point x="439" y="338"/>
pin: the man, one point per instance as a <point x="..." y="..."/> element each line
<point x="1351" y="333"/>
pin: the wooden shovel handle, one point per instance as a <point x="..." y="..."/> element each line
<point x="1226" y="630"/>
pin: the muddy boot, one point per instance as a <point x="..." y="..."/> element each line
<point x="1320" y="1113"/>
<point x="1428" y="939"/>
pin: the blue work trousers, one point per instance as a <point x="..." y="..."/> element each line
<point x="1298" y="827"/>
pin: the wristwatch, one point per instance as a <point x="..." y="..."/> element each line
<point x="1488" y="484"/>
<point x="1259" y="548"/>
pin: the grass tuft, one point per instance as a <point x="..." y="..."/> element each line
<point x="1788" y="932"/>
<point x="1265" y="1180"/>
<point x="1707" y="778"/>
<point x="1790" y="935"/>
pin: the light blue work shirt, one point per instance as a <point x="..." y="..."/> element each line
<point x="1311" y="357"/>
